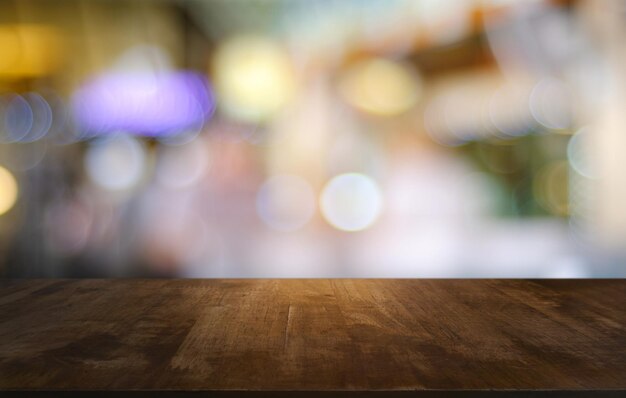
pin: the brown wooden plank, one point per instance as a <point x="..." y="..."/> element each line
<point x="417" y="336"/>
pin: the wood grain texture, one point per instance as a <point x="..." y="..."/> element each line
<point x="417" y="336"/>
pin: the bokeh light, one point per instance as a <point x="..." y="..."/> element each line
<point x="8" y="190"/>
<point x="254" y="78"/>
<point x="115" y="163"/>
<point x="579" y="153"/>
<point x="351" y="202"/>
<point x="285" y="202"/>
<point x="24" y="118"/>
<point x="381" y="87"/>
<point x="550" y="104"/>
<point x="18" y="118"/>
<point x="42" y="117"/>
<point x="509" y="111"/>
<point x="151" y="104"/>
<point x="205" y="142"/>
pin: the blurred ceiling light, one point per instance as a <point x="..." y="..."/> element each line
<point x="8" y="190"/>
<point x="150" y="104"/>
<point x="351" y="202"/>
<point x="28" y="50"/>
<point x="381" y="87"/>
<point x="115" y="163"/>
<point x="253" y="77"/>
<point x="286" y="202"/>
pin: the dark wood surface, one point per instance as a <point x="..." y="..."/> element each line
<point x="415" y="337"/>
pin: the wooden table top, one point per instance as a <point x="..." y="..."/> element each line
<point x="423" y="337"/>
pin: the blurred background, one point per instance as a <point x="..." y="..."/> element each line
<point x="259" y="138"/>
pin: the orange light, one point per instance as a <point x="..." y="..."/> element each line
<point x="28" y="50"/>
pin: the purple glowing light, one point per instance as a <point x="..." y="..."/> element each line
<point x="161" y="104"/>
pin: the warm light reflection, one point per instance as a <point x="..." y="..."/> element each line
<point x="253" y="77"/>
<point x="28" y="50"/>
<point x="381" y="87"/>
<point x="8" y="190"/>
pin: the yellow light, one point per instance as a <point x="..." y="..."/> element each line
<point x="28" y="50"/>
<point x="381" y="87"/>
<point x="8" y="190"/>
<point x="253" y="78"/>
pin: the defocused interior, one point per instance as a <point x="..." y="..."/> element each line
<point x="250" y="138"/>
